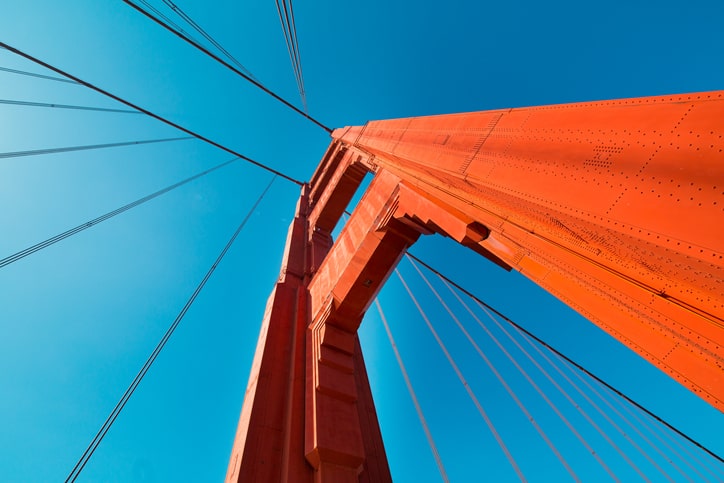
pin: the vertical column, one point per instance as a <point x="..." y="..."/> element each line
<point x="269" y="444"/>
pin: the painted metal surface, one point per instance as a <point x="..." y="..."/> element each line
<point x="615" y="207"/>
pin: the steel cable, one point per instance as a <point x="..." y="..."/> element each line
<point x="497" y="374"/>
<point x="36" y="152"/>
<point x="84" y="226"/>
<point x="64" y="106"/>
<point x="206" y="51"/>
<point x="149" y="113"/>
<point x="567" y="359"/>
<point x="205" y="34"/>
<point x="464" y="382"/>
<point x="88" y="453"/>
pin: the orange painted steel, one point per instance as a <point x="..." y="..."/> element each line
<point x="615" y="207"/>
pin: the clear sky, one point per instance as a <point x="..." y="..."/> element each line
<point x="78" y="319"/>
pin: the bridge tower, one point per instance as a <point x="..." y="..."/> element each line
<point x="616" y="207"/>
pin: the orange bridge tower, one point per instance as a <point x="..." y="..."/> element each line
<point x="616" y="207"/>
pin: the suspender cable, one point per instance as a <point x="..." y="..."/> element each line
<point x="411" y="391"/>
<point x="224" y="63"/>
<point x="572" y="428"/>
<point x="65" y="106"/>
<point x="203" y="32"/>
<point x="669" y="435"/>
<point x="83" y="226"/>
<point x="40" y="76"/>
<point x="35" y="152"/>
<point x="286" y="18"/>
<point x="567" y="359"/>
<point x="470" y="392"/>
<point x="623" y="417"/>
<point x="170" y="22"/>
<point x="532" y="382"/>
<point x="603" y="413"/>
<point x="497" y="374"/>
<point x="302" y="92"/>
<point x="151" y="114"/>
<point x="572" y="402"/>
<point x="75" y="472"/>
<point x="285" y="30"/>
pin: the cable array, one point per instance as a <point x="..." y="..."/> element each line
<point x="413" y="395"/>
<point x="148" y="113"/>
<point x="464" y="382"/>
<point x="206" y="51"/>
<point x="563" y="390"/>
<point x="88" y="453"/>
<point x="107" y="216"/>
<point x="206" y="35"/>
<point x="285" y="10"/>
<point x="573" y="363"/>
<point x="497" y="374"/>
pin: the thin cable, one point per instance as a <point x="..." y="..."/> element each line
<point x="149" y="113"/>
<point x="302" y="91"/>
<point x="205" y="34"/>
<point x="32" y="74"/>
<point x="575" y="405"/>
<point x="75" y="472"/>
<point x="622" y="417"/>
<point x="500" y="378"/>
<point x="290" y="37"/>
<point x="287" y="40"/>
<point x="35" y="152"/>
<point x="455" y="367"/>
<point x="657" y="430"/>
<point x="62" y="236"/>
<point x="413" y="395"/>
<point x="530" y="380"/>
<point x="165" y="18"/>
<point x="64" y="106"/>
<point x="569" y="360"/>
<point x="206" y="51"/>
<point x="602" y="412"/>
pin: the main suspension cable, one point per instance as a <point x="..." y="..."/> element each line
<point x="35" y="152"/>
<point x="84" y="226"/>
<point x="149" y="113"/>
<point x="567" y="359"/>
<point x="64" y="106"/>
<point x="88" y="453"/>
<point x="413" y="395"/>
<point x="206" y="51"/>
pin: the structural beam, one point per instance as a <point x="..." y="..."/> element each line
<point x="615" y="207"/>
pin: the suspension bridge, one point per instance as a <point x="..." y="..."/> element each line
<point x="466" y="387"/>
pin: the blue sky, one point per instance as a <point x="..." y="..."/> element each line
<point x="79" y="319"/>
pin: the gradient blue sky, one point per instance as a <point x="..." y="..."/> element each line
<point x="77" y="320"/>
